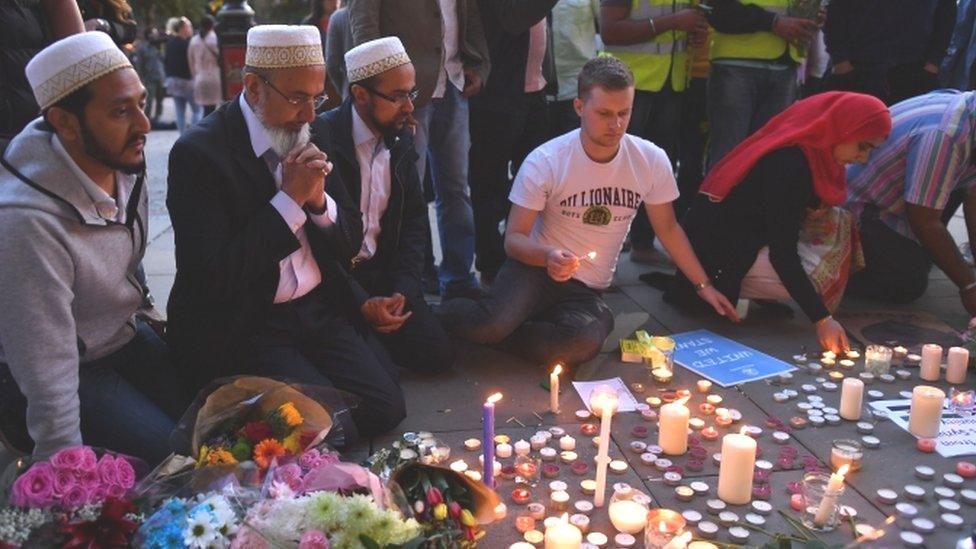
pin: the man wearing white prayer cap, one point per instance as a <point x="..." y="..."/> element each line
<point x="265" y="233"/>
<point x="75" y="357"/>
<point x="375" y="155"/>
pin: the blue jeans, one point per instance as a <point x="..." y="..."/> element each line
<point x="181" y="104"/>
<point x="530" y="315"/>
<point x="442" y="132"/>
<point x="130" y="399"/>
<point x="741" y="100"/>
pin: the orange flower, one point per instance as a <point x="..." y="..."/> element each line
<point x="267" y="450"/>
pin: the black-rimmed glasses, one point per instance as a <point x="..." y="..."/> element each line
<point x="316" y="101"/>
<point x="399" y="98"/>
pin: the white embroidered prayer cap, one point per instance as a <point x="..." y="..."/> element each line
<point x="71" y="63"/>
<point x="283" y="46"/>
<point x="375" y="57"/>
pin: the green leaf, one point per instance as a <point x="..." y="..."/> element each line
<point x="368" y="542"/>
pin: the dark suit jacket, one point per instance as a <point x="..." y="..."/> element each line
<point x="230" y="239"/>
<point x="398" y="262"/>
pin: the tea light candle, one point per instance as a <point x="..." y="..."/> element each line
<point x="673" y="428"/>
<point x="563" y="535"/>
<point x="654" y="402"/>
<point x="835" y="375"/>
<point x="583" y="507"/>
<point x="521" y="496"/>
<point x="502" y="439"/>
<point x="473" y="475"/>
<point x="722" y="417"/>
<point x="580" y="521"/>
<point x="709" y="433"/>
<point x="503" y="451"/>
<point x="851" y="398"/>
<point x="588" y="486"/>
<point x="618" y="466"/>
<point x="522" y="448"/>
<point x="459" y="466"/>
<point x="846" y="452"/>
<point x="736" y="468"/>
<point x="847" y="364"/>
<point x="536" y="510"/>
<point x="714" y="400"/>
<point x="537" y="442"/>
<point x="662" y="375"/>
<point x="524" y="523"/>
<point x="925" y="415"/>
<point x="624" y="541"/>
<point x="598" y="539"/>
<point x="579" y="467"/>
<point x="548" y="454"/>
<point x="568" y="456"/>
<point x="534" y="537"/>
<point x="582" y="415"/>
<point x="558" y="501"/>
<point x="627" y="516"/>
<point x="828" y="362"/>
<point x="567" y="443"/>
<point x="697" y="424"/>
<point x="472" y="444"/>
<point x="956" y="365"/>
<point x="931" y="362"/>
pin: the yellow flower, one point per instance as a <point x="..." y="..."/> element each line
<point x="293" y="442"/>
<point x="440" y="511"/>
<point x="220" y="456"/>
<point x="202" y="460"/>
<point x="290" y="414"/>
<point x="467" y="518"/>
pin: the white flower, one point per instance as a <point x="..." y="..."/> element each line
<point x="200" y="531"/>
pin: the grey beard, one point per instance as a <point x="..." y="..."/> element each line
<point x="284" y="141"/>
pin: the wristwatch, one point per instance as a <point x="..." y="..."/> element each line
<point x="702" y="285"/>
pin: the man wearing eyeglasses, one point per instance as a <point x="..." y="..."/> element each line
<point x="374" y="152"/>
<point x="264" y="235"/>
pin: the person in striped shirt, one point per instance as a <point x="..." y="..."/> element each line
<point x="906" y="194"/>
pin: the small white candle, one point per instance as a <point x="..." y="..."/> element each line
<point x="563" y="535"/>
<point x="931" y="362"/>
<point x="567" y="443"/>
<point x="673" y="428"/>
<point x="522" y="448"/>
<point x="459" y="466"/>
<point x="628" y="516"/>
<point x="604" y="401"/>
<point x="831" y="493"/>
<point x="503" y="450"/>
<point x="851" y="397"/>
<point x="554" y="389"/>
<point x="925" y="415"/>
<point x="956" y="365"/>
<point x="736" y="468"/>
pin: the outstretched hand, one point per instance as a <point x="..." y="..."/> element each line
<point x="719" y="302"/>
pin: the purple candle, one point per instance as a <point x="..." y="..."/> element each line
<point x="488" y="440"/>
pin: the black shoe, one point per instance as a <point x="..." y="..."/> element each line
<point x="475" y="293"/>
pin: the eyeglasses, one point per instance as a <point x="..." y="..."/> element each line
<point x="316" y="101"/>
<point x="399" y="98"/>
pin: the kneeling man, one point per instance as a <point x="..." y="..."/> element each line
<point x="73" y="220"/>
<point x="374" y="153"/>
<point x="572" y="203"/>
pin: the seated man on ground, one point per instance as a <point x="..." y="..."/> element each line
<point x="572" y="203"/>
<point x="73" y="220"/>
<point x="906" y="194"/>
<point x="374" y="154"/>
<point x="263" y="232"/>
<point x="746" y="222"/>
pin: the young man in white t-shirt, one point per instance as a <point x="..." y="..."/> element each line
<point x="572" y="204"/>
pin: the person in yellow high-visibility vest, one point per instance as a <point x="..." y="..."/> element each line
<point x="754" y="57"/>
<point x="652" y="37"/>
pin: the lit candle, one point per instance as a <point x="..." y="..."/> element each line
<point x="459" y="466"/>
<point x="673" y="428"/>
<point x="503" y="451"/>
<point x="522" y="448"/>
<point x="591" y="256"/>
<point x="722" y="418"/>
<point x="956" y="365"/>
<point x="925" y="415"/>
<point x="628" y="516"/>
<point x="488" y="439"/>
<point x="831" y="493"/>
<point x="563" y="535"/>
<point x="604" y="401"/>
<point x="567" y="443"/>
<point x="704" y="386"/>
<point x="931" y="362"/>
<point x="554" y="388"/>
<point x="851" y="397"/>
<point x="709" y="433"/>
<point x="663" y="531"/>
<point x="736" y="468"/>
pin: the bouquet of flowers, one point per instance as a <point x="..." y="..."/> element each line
<point x="206" y="521"/>
<point x="109" y="524"/>
<point x="74" y="477"/>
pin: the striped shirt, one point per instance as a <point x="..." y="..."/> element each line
<point x="928" y="155"/>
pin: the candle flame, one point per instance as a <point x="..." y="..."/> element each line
<point x="843" y="469"/>
<point x="591" y="255"/>
<point x="557" y="370"/>
<point x="494" y="398"/>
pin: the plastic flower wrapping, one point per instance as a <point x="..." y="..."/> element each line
<point x="451" y="507"/>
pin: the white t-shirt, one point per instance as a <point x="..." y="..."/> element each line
<point x="588" y="206"/>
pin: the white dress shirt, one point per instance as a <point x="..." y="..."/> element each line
<point x="374" y="178"/>
<point x="300" y="273"/>
<point x="108" y="208"/>
<point x="453" y="69"/>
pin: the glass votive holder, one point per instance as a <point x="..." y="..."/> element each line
<point x="877" y="359"/>
<point x="527" y="470"/>
<point x="661" y="359"/>
<point x="846" y="452"/>
<point x="663" y="525"/>
<point x="821" y="502"/>
<point x="961" y="402"/>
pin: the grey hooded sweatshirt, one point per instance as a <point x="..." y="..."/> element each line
<point x="68" y="292"/>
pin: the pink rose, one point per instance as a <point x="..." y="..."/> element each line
<point x="314" y="539"/>
<point x="326" y="459"/>
<point x="107" y="470"/>
<point x="89" y="480"/>
<point x="100" y="494"/>
<point x="75" y="497"/>
<point x="308" y="459"/>
<point x="88" y="459"/>
<point x="125" y="473"/>
<point x="115" y="491"/>
<point x="64" y="480"/>
<point x="69" y="458"/>
<point x="35" y="488"/>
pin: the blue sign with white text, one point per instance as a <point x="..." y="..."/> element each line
<point x="724" y="361"/>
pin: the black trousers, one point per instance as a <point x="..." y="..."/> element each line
<point x="311" y="340"/>
<point x="498" y="140"/>
<point x="890" y="84"/>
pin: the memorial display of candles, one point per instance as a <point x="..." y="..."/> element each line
<point x="663" y="526"/>
<point x="877" y="359"/>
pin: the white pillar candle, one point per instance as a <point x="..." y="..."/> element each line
<point x="672" y="433"/>
<point x="567" y="443"/>
<point x="925" y="415"/>
<point x="604" y="401"/>
<point x="628" y="516"/>
<point x="931" y="362"/>
<point x="736" y="468"/>
<point x="554" y="389"/>
<point x="563" y="535"/>
<point x="831" y="493"/>
<point x="956" y="365"/>
<point x="851" y="397"/>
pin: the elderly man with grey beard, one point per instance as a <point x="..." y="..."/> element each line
<point x="264" y="235"/>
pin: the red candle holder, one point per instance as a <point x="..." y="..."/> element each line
<point x="706" y="408"/>
<point x="683" y="393"/>
<point x="709" y="433"/>
<point x="579" y="467"/>
<point x="966" y="469"/>
<point x="695" y="465"/>
<point x="698" y="452"/>
<point x="507" y="472"/>
<point x="550" y="470"/>
<point x="694" y="441"/>
<point x="639" y="431"/>
<point x="521" y="496"/>
<point x="589" y="429"/>
<point x="795" y="487"/>
<point x="926" y="445"/>
<point x="723" y="420"/>
<point x="668" y="397"/>
<point x="763" y="492"/>
<point x="524" y="523"/>
<point x="760" y="476"/>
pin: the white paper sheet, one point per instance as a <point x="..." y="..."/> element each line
<point x="957" y="435"/>
<point x="628" y="403"/>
